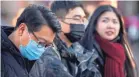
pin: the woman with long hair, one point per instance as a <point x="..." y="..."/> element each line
<point x="106" y="34"/>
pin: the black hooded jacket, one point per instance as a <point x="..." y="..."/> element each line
<point x="12" y="63"/>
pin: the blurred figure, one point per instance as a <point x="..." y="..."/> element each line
<point x="132" y="24"/>
<point x="17" y="15"/>
<point x="4" y="16"/>
<point x="24" y="44"/>
<point x="105" y="35"/>
<point x="11" y="12"/>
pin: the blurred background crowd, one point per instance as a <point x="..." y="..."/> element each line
<point x="10" y="10"/>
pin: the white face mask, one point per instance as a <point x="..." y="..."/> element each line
<point x="133" y="32"/>
<point x="31" y="51"/>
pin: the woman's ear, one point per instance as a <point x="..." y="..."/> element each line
<point x="22" y="27"/>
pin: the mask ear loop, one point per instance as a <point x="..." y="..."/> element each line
<point x="20" y="40"/>
<point x="29" y="36"/>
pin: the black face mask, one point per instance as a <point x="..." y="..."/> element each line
<point x="76" y="32"/>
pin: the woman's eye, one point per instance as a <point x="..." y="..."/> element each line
<point x="115" y="22"/>
<point x="105" y="21"/>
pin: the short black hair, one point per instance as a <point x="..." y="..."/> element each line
<point x="35" y="16"/>
<point x="61" y="8"/>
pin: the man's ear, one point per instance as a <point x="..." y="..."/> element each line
<point x="22" y="27"/>
<point x="65" y="27"/>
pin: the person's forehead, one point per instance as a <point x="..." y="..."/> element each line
<point x="110" y="15"/>
<point x="45" y="32"/>
<point x="77" y="11"/>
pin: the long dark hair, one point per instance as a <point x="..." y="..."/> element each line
<point x="88" y="40"/>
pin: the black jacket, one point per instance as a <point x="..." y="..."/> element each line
<point x="79" y="61"/>
<point x="12" y="63"/>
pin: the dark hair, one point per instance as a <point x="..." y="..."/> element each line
<point x="61" y="8"/>
<point x="91" y="28"/>
<point x="35" y="16"/>
<point x="89" y="41"/>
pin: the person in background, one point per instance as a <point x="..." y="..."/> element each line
<point x="14" y="20"/>
<point x="106" y="35"/>
<point x="132" y="25"/>
<point x="23" y="44"/>
<point x="72" y="17"/>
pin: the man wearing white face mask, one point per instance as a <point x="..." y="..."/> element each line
<point x="32" y="50"/>
<point x="23" y="45"/>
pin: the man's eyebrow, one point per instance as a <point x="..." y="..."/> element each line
<point x="40" y="38"/>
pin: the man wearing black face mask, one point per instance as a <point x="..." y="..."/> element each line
<point x="72" y="18"/>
